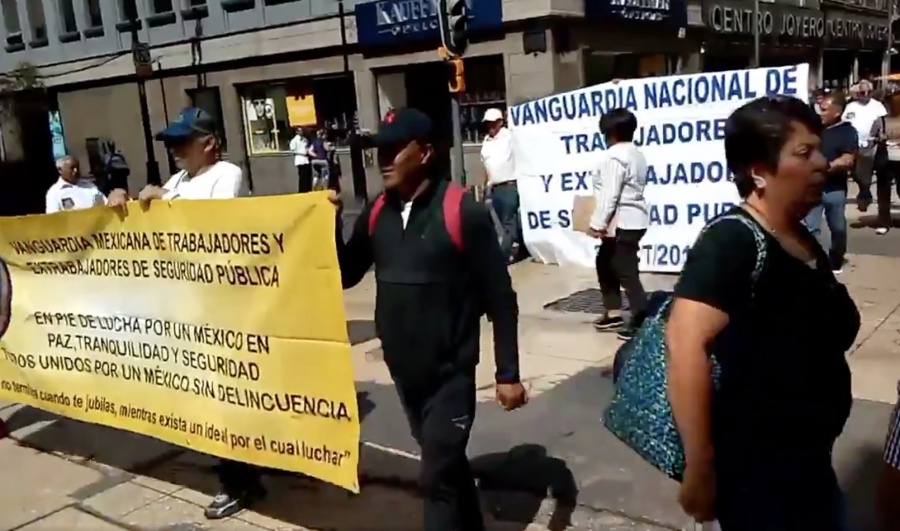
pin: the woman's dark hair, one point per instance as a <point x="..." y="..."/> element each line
<point x="619" y="124"/>
<point x="756" y="132"/>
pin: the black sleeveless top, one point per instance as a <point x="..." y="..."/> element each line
<point x="785" y="385"/>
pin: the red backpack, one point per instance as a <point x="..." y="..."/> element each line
<point x="452" y="213"/>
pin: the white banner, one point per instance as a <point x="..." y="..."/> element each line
<point x="681" y="120"/>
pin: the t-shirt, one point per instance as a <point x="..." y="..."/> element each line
<point x="497" y="157"/>
<point x="784" y="392"/>
<point x="223" y="180"/>
<point x="73" y="196"/>
<point x="862" y="117"/>
<point x="838" y="140"/>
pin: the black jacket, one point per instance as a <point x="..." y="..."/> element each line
<point x="430" y="294"/>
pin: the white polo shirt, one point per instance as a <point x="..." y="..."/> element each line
<point x="223" y="180"/>
<point x="497" y="157"/>
<point x="67" y="196"/>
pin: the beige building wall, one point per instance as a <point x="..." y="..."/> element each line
<point x="113" y="111"/>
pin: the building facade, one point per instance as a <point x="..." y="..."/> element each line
<point x="266" y="66"/>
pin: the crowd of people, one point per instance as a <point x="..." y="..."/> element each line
<point x="758" y="445"/>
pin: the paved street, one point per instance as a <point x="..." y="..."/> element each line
<point x="539" y="468"/>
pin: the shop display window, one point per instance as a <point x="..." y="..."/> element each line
<point x="485" y="89"/>
<point x="273" y="111"/>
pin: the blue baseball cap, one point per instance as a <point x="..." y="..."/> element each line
<point x="190" y="122"/>
<point x="402" y="126"/>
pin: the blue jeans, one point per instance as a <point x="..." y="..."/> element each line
<point x="832" y="206"/>
<point x="505" y="202"/>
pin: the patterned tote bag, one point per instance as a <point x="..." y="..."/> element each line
<point x="640" y="414"/>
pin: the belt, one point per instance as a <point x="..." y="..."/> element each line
<point x="504" y="183"/>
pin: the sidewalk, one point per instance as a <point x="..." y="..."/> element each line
<point x="563" y="465"/>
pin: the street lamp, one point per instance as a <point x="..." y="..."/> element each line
<point x="143" y="68"/>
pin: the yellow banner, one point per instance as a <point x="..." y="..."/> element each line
<point x="214" y="325"/>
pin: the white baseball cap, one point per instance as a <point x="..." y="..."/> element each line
<point x="492" y="115"/>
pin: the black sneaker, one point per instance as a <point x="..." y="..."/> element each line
<point x="607" y="324"/>
<point x="225" y="504"/>
<point x="627" y="333"/>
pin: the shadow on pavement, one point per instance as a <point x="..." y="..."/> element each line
<point x="515" y="484"/>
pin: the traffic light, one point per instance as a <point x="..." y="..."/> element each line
<point x="456" y="15"/>
<point x="457" y="81"/>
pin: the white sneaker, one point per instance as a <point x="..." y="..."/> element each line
<point x="881" y="231"/>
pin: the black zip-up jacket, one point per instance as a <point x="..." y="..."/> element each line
<point x="430" y="294"/>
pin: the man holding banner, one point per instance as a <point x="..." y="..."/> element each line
<point x="195" y="147"/>
<point x="438" y="268"/>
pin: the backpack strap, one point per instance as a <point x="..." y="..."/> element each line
<point x="453" y="198"/>
<point x="377" y="205"/>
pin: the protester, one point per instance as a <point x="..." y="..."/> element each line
<point x="758" y="446"/>
<point x="620" y="220"/>
<point x="839" y="146"/>
<point x="192" y="140"/>
<point x="862" y="113"/>
<point x="71" y="191"/>
<point x="299" y="146"/>
<point x="318" y="155"/>
<point x="889" y="483"/>
<point x="500" y="178"/>
<point x="438" y="268"/>
<point x="886" y="132"/>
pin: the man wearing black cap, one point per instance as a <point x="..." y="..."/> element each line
<point x="193" y="142"/>
<point x="438" y="268"/>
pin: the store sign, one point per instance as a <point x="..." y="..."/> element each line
<point x="846" y="27"/>
<point x="672" y="12"/>
<point x="799" y="24"/>
<point x="403" y="21"/>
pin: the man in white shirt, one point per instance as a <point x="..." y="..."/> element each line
<point x="862" y="114"/>
<point x="500" y="178"/>
<point x="300" y="147"/>
<point x="620" y="220"/>
<point x="71" y="191"/>
<point x="192" y="140"/>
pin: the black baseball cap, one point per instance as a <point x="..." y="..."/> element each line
<point x="191" y="121"/>
<point x="402" y="126"/>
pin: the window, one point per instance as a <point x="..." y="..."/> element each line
<point x="128" y="10"/>
<point x="67" y="16"/>
<point x="11" y="17"/>
<point x="93" y="13"/>
<point x="161" y="6"/>
<point x="485" y="89"/>
<point x="194" y="3"/>
<point x="273" y="112"/>
<point x="278" y="2"/>
<point x="37" y="22"/>
<point x="208" y="99"/>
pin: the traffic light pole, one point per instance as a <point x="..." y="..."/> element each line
<point x="357" y="162"/>
<point x="153" y="176"/>
<point x="457" y="155"/>
<point x="453" y="18"/>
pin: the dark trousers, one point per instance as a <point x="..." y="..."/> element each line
<point x="891" y="176"/>
<point x="617" y="268"/>
<point x="505" y="202"/>
<point x="441" y="419"/>
<point x="304" y="178"/>
<point x="862" y="174"/>
<point x="236" y="477"/>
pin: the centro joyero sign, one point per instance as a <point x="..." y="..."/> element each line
<point x="724" y="19"/>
